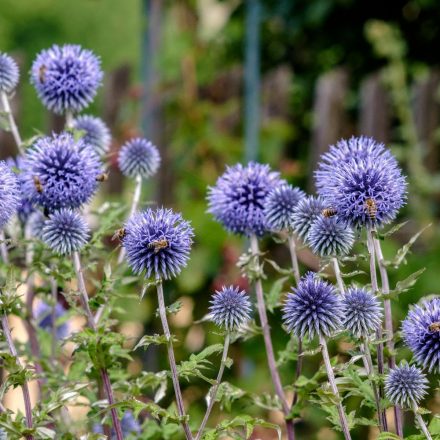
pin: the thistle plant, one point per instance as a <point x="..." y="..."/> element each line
<point x="95" y="133"/>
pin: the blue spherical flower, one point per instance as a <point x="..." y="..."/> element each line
<point x="129" y="425"/>
<point x="61" y="172"/>
<point x="8" y="73"/>
<point x="139" y="157"/>
<point x="230" y="307"/>
<point x="43" y="315"/>
<point x="9" y="194"/>
<point x="305" y="213"/>
<point x="279" y="206"/>
<point x="362" y="312"/>
<point x="405" y="385"/>
<point x="65" y="232"/>
<point x="238" y="198"/>
<point x="421" y="332"/>
<point x="157" y="242"/>
<point x="95" y="133"/>
<point x="329" y="237"/>
<point x="312" y="308"/>
<point x="66" y="77"/>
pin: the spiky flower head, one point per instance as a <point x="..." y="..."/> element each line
<point x="43" y="315"/>
<point x="65" y="232"/>
<point x="230" y="307"/>
<point x="139" y="157"/>
<point x="305" y="213"/>
<point x="367" y="188"/>
<point x="279" y="206"/>
<point x="406" y="385"/>
<point x="95" y="133"/>
<point x="362" y="312"/>
<point x="10" y="195"/>
<point x="421" y="332"/>
<point x="66" y="77"/>
<point x="157" y="242"/>
<point x="8" y="73"/>
<point x="329" y="237"/>
<point x="61" y="172"/>
<point x="312" y="308"/>
<point x="239" y="196"/>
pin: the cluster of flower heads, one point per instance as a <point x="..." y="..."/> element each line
<point x="8" y="73"/>
<point x="95" y="133"/>
<point x="139" y="157"/>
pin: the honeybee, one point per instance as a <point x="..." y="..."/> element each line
<point x="157" y="245"/>
<point x="371" y="207"/>
<point x="329" y="212"/>
<point x="38" y="184"/>
<point x="119" y="234"/>
<point x="102" y="177"/>
<point x="434" y="327"/>
<point x="42" y="73"/>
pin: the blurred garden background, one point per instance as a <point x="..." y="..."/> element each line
<point x="213" y="83"/>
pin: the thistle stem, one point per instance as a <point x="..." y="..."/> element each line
<point x="54" y="292"/>
<point x="331" y="378"/>
<point x="172" y="359"/>
<point x="12" y="124"/>
<point x="421" y="423"/>
<point x="214" y="389"/>
<point x="338" y="275"/>
<point x="91" y="324"/>
<point x="69" y="119"/>
<point x="268" y="342"/>
<point x="294" y="257"/>
<point x="4" y="248"/>
<point x="24" y="386"/>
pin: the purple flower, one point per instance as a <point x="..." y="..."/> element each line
<point x="43" y="315"/>
<point x="65" y="232"/>
<point x="421" y="332"/>
<point x="406" y="385"/>
<point x="305" y="213"/>
<point x="239" y="197"/>
<point x="129" y="425"/>
<point x="95" y="133"/>
<point x="138" y="157"/>
<point x="66" y="77"/>
<point x="157" y="242"/>
<point x="230" y="307"/>
<point x="9" y="193"/>
<point x="61" y="172"/>
<point x="312" y="308"/>
<point x="329" y="237"/>
<point x="279" y="206"/>
<point x="8" y="73"/>
<point x="362" y="312"/>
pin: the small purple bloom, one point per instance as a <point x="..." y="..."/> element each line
<point x="43" y="315"/>
<point x="10" y="195"/>
<point x="66" y="77"/>
<point x="8" y="73"/>
<point x="95" y="133"/>
<point x="129" y="425"/>
<point x="305" y="213"/>
<point x="157" y="242"/>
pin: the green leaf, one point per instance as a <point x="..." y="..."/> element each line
<point x="392" y="230"/>
<point x="388" y="436"/>
<point x="404" y="285"/>
<point x="148" y="340"/>
<point x="246" y="423"/>
<point x="227" y="394"/>
<point x="273" y="297"/>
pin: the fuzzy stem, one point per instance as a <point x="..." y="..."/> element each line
<point x="24" y="386"/>
<point x="294" y="257"/>
<point x="172" y="359"/>
<point x="214" y="389"/>
<point x="268" y="342"/>
<point x="338" y="275"/>
<point x="91" y="324"/>
<point x="12" y="124"/>
<point x="421" y="422"/>
<point x="331" y="378"/>
<point x="54" y="292"/>
<point x="4" y="248"/>
<point x="69" y="120"/>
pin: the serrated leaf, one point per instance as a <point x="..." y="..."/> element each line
<point x="353" y="273"/>
<point x="279" y="269"/>
<point x="392" y="230"/>
<point x="147" y="340"/>
<point x="273" y="297"/>
<point x="388" y="436"/>
<point x="404" y="285"/>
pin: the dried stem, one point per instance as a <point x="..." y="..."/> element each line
<point x="338" y="275"/>
<point x="331" y="378"/>
<point x="294" y="257"/>
<point x="12" y="124"/>
<point x="172" y="359"/>
<point x="421" y="422"/>
<point x="214" y="389"/>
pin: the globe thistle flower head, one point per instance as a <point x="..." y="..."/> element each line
<point x="362" y="312"/>
<point x="65" y="232"/>
<point x="329" y="237"/>
<point x="96" y="134"/>
<point x="10" y="195"/>
<point x="279" y="206"/>
<point x="305" y="213"/>
<point x="36" y="222"/>
<point x="230" y="307"/>
<point x="43" y="315"/>
<point x="139" y="157"/>
<point x="66" y="78"/>
<point x="421" y="333"/>
<point x="239" y="197"/>
<point x="406" y="385"/>
<point x="313" y="308"/>
<point x="157" y="242"/>
<point x="8" y="73"/>
<point x="61" y="172"/>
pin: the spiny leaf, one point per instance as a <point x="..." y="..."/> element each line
<point x="147" y="340"/>
<point x="404" y="285"/>
<point x="392" y="230"/>
<point x="273" y="297"/>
